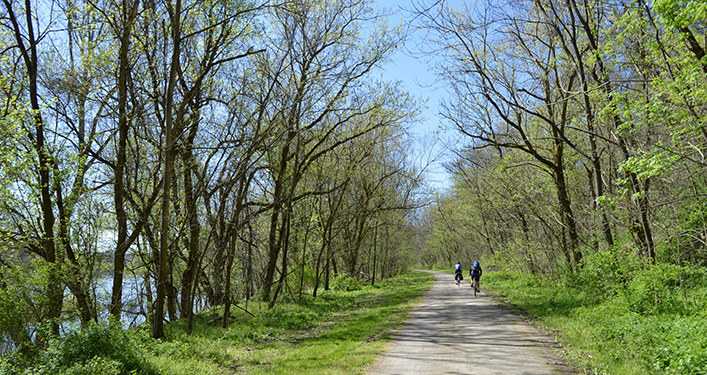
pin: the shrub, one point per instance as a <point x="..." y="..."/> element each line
<point x="605" y="274"/>
<point x="96" y="366"/>
<point x="663" y="289"/>
<point x="19" y="301"/>
<point x="345" y="283"/>
<point x="99" y="348"/>
<point x="651" y="321"/>
<point x="14" y="320"/>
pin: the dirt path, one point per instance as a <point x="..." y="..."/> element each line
<point x="453" y="332"/>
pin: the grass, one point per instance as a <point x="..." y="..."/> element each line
<point x="634" y="320"/>
<point x="628" y="326"/>
<point x="340" y="332"/>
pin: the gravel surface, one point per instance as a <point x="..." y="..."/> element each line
<point x="453" y="332"/>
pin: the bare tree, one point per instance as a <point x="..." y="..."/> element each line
<point x="320" y="74"/>
<point x="513" y="90"/>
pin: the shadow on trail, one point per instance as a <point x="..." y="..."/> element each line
<point x="454" y="332"/>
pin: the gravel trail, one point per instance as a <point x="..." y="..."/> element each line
<point x="453" y="332"/>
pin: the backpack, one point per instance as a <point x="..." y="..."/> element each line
<point x="476" y="266"/>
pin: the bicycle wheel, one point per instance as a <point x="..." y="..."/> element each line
<point x="473" y="285"/>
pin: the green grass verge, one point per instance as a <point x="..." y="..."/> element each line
<point x="620" y="327"/>
<point x="340" y="332"/>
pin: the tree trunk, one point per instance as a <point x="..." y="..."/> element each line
<point x="573" y="48"/>
<point x="55" y="291"/>
<point x="191" y="269"/>
<point x="304" y="261"/>
<point x="274" y="242"/>
<point x="158" y="327"/>
<point x="375" y="253"/>
<point x="284" y="241"/>
<point x="317" y="266"/>
<point x="227" y="292"/>
<point x="171" y="290"/>
<point x="116" y="304"/>
<point x="568" y="218"/>
<point x="234" y="228"/>
<point x="601" y="75"/>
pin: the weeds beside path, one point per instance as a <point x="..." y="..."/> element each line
<point x="652" y="322"/>
<point x="340" y="332"/>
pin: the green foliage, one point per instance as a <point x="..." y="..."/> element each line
<point x="307" y="280"/>
<point x="443" y="267"/>
<point x="345" y="283"/>
<point x="681" y="13"/>
<point x="663" y="290"/>
<point x="605" y="273"/>
<point x="291" y="318"/>
<point x="96" y="366"/>
<point x="98" y="348"/>
<point x="632" y="320"/>
<point x="681" y="347"/>
<point x="689" y="246"/>
<point x="22" y="294"/>
<point x="533" y="294"/>
<point x="340" y="332"/>
<point x="650" y="164"/>
<point x="14" y="314"/>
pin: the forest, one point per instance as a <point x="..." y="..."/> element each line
<point x="584" y="132"/>
<point x="161" y="158"/>
<point x="581" y="175"/>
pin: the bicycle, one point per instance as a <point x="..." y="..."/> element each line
<point x="458" y="278"/>
<point x="474" y="286"/>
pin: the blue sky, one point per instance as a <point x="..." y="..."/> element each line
<point x="419" y="81"/>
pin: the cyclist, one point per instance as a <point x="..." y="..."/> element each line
<point x="458" y="273"/>
<point x="475" y="273"/>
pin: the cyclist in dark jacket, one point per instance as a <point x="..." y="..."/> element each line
<point x="458" y="273"/>
<point x="475" y="273"/>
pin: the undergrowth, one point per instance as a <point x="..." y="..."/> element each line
<point x="99" y="348"/>
<point x="617" y="316"/>
<point x="339" y="332"/>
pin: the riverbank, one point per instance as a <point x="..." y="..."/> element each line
<point x="340" y="332"/>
